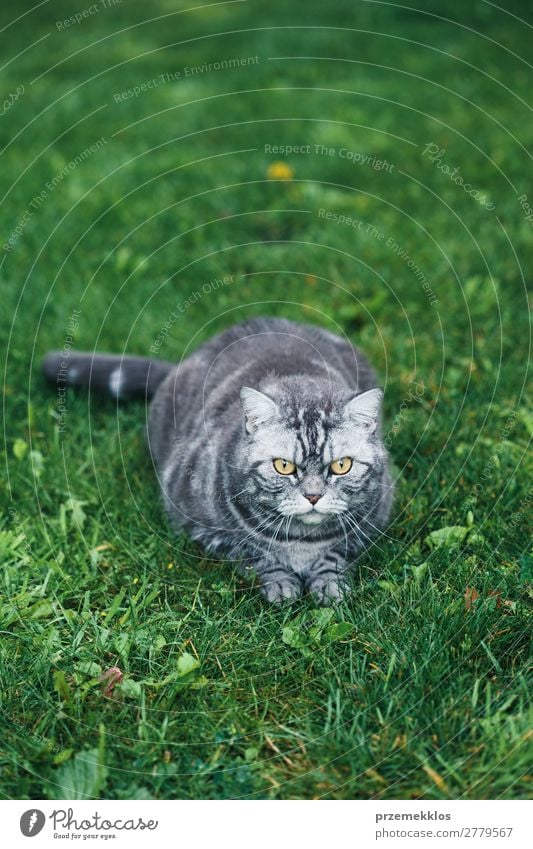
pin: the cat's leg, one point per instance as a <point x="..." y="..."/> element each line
<point x="277" y="582"/>
<point x="327" y="578"/>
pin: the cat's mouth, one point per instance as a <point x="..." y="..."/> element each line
<point x="312" y="517"/>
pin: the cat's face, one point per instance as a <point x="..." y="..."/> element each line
<point x="313" y="461"/>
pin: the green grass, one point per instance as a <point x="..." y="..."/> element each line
<point x="420" y="691"/>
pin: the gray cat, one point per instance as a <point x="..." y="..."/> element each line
<point x="266" y="441"/>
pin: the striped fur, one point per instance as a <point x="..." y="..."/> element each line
<point x="116" y="375"/>
<point x="264" y="389"/>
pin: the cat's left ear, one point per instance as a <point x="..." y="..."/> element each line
<point x="258" y="408"/>
<point x="365" y="408"/>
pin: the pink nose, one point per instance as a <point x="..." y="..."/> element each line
<point x="313" y="498"/>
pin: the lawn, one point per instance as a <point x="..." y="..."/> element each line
<point x="149" y="200"/>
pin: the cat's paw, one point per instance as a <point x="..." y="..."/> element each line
<point x="328" y="591"/>
<point x="282" y="589"/>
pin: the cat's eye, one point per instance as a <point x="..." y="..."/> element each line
<point x="284" y="467"/>
<point x="340" y="467"/>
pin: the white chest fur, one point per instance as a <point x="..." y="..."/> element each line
<point x="300" y="555"/>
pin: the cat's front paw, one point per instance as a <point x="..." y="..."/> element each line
<point x="328" y="591"/>
<point x="281" y="589"/>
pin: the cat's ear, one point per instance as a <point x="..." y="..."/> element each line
<point x="365" y="408"/>
<point x="258" y="408"/>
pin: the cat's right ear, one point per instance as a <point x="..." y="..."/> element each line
<point x="258" y="408"/>
<point x="365" y="408"/>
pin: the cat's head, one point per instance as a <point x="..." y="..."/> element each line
<point x="313" y="450"/>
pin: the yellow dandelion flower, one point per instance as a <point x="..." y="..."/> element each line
<point x="361" y="202"/>
<point x="280" y="171"/>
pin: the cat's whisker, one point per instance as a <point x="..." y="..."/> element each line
<point x="287" y="529"/>
<point x="253" y="531"/>
<point x="376" y="529"/>
<point x="275" y="535"/>
<point x="266" y="556"/>
<point x="261" y="526"/>
<point x="359" y="531"/>
<point x="246" y="489"/>
<point x="345" y="537"/>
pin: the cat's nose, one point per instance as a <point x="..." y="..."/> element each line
<point x="312" y="498"/>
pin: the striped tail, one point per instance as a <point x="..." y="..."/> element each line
<point x="113" y="374"/>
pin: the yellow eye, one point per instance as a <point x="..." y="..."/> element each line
<point x="284" y="467"/>
<point x="340" y="467"/>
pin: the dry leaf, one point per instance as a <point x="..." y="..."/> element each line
<point x="436" y="778"/>
<point x="471" y="595"/>
<point x="110" y="678"/>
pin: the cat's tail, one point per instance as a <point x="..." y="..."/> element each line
<point x="113" y="374"/>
